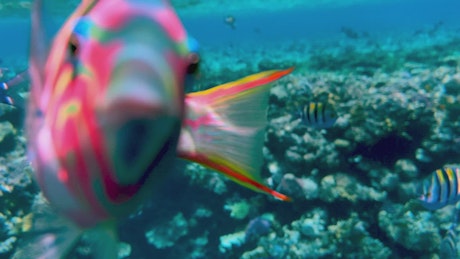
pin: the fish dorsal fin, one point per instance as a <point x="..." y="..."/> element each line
<point x="38" y="48"/>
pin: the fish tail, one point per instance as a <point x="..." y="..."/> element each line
<point x="224" y="128"/>
<point x="4" y="96"/>
<point x="9" y="91"/>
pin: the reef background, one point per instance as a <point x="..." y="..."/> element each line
<point x="391" y="68"/>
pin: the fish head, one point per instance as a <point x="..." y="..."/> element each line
<point x="427" y="191"/>
<point x="424" y="190"/>
<point x="106" y="111"/>
<point x="330" y="117"/>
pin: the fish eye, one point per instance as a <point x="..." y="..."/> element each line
<point x="73" y="45"/>
<point x="194" y="62"/>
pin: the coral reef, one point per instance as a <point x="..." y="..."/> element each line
<point x="414" y="231"/>
<point x="239" y="209"/>
<point x="168" y="233"/>
<point x="397" y="108"/>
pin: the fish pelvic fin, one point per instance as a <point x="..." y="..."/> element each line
<point x="224" y="129"/>
<point x="47" y="236"/>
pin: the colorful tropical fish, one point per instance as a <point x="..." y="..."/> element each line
<point x="107" y="115"/>
<point x="318" y="115"/>
<point x="441" y="188"/>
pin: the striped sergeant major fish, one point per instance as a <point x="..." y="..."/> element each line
<point x="318" y="115"/>
<point x="107" y="116"/>
<point x="441" y="188"/>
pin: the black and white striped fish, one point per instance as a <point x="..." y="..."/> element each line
<point x="318" y="115"/>
<point x="441" y="188"/>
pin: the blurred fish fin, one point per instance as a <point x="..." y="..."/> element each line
<point x="104" y="241"/>
<point x="224" y="128"/>
<point x="39" y="45"/>
<point x="47" y="236"/>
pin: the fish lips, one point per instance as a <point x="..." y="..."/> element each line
<point x="136" y="121"/>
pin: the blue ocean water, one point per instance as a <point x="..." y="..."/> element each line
<point x="324" y="23"/>
<point x="391" y="71"/>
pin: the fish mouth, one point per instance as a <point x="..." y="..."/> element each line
<point x="137" y="118"/>
<point x="136" y="143"/>
<point x="135" y="97"/>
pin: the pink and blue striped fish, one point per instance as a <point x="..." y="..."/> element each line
<point x="107" y="115"/>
